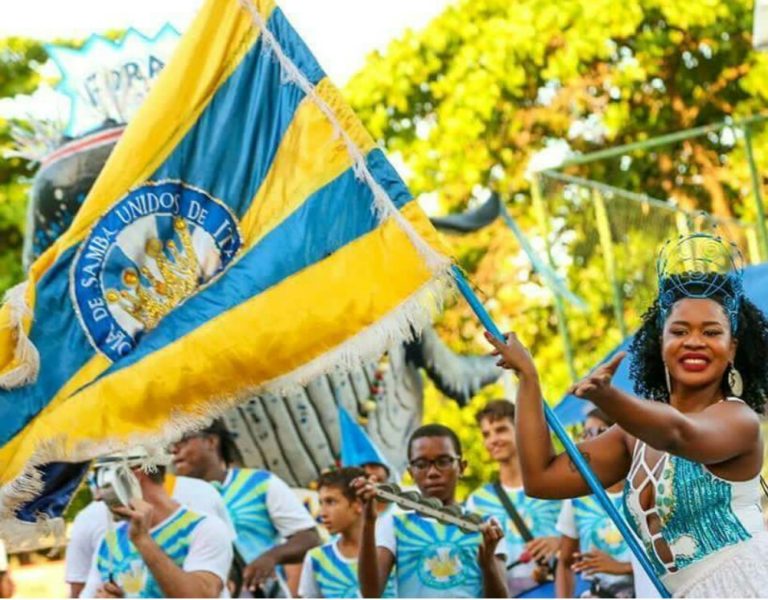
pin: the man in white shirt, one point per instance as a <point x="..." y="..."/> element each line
<point x="527" y="559"/>
<point x="272" y="526"/>
<point x="162" y="549"/>
<point x="91" y="524"/>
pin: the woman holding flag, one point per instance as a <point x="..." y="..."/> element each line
<point x="692" y="456"/>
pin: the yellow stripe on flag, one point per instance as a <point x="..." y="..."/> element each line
<point x="311" y="155"/>
<point x="264" y="338"/>
<point x="186" y="76"/>
<point x="10" y="463"/>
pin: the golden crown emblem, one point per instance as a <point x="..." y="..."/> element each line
<point x="178" y="279"/>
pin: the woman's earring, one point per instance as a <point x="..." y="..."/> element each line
<point x="669" y="381"/>
<point x="735" y="382"/>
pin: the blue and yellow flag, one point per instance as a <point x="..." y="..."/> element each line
<point x="245" y="235"/>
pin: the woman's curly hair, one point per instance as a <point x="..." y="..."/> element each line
<point x="647" y="368"/>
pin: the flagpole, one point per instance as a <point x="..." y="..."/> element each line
<point x="578" y="460"/>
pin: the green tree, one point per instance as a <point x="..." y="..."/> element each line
<point x="20" y="61"/>
<point x="470" y="99"/>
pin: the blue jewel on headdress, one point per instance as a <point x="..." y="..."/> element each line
<point x="700" y="265"/>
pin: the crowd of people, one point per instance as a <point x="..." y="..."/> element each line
<point x="684" y="468"/>
<point x="206" y="528"/>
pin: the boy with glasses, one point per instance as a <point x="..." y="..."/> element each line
<point x="432" y="559"/>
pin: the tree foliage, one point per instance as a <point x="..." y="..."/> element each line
<point x="20" y="60"/>
<point x="468" y="101"/>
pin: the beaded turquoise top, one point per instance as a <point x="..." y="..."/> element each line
<point x="699" y="513"/>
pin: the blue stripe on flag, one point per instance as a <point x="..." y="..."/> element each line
<point x="229" y="150"/>
<point x="63" y="349"/>
<point x="334" y="216"/>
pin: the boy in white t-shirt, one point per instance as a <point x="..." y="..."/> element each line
<point x="330" y="571"/>
<point x="528" y="560"/>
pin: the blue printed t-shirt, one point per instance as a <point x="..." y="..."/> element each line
<point x="585" y="520"/>
<point x="193" y="543"/>
<point x="432" y="559"/>
<point x="263" y="510"/>
<point x="326" y="573"/>
<point x="539" y="515"/>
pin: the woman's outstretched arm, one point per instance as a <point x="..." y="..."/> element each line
<point x="545" y="474"/>
<point x="719" y="433"/>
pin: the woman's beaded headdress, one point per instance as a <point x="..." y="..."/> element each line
<point x="701" y="265"/>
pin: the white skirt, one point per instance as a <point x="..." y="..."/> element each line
<point x="743" y="574"/>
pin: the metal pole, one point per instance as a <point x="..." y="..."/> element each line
<point x="562" y="319"/>
<point x="757" y="189"/>
<point x="606" y="243"/>
<point x="682" y="223"/>
<point x="661" y="140"/>
<point x="573" y="452"/>
<point x="753" y="246"/>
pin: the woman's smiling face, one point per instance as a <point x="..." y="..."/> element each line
<point x="697" y="345"/>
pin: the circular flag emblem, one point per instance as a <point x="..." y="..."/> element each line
<point x="151" y="251"/>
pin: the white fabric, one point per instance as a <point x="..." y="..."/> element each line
<point x="308" y="587"/>
<point x="740" y="571"/>
<point x="745" y="505"/>
<point x="90" y="524"/>
<point x="209" y="551"/>
<point x="566" y="522"/>
<point x="3" y="557"/>
<point x="287" y="513"/>
<point x="88" y="528"/>
<point x="385" y="533"/>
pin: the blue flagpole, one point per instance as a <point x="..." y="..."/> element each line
<point x="554" y="423"/>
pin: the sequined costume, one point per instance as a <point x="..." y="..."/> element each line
<point x="713" y="528"/>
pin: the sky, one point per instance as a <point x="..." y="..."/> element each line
<point x="340" y="32"/>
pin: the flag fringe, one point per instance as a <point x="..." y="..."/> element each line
<point x="25" y="355"/>
<point x="405" y="322"/>
<point x="385" y="208"/>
